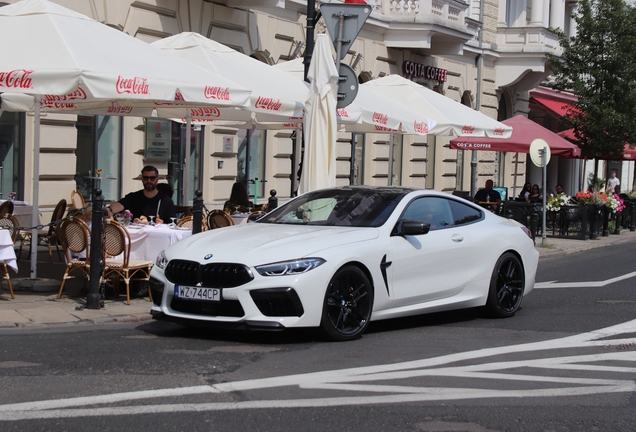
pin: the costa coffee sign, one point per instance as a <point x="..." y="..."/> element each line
<point x="17" y="78"/>
<point x="428" y="72"/>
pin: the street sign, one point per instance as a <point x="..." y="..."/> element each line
<point x="537" y="147"/>
<point x="344" y="22"/>
<point x="347" y="86"/>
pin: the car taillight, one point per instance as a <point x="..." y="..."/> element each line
<point x="527" y="231"/>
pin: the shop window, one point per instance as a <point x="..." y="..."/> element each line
<point x="99" y="146"/>
<point x="177" y="163"/>
<point x="10" y="157"/>
<point x="250" y="169"/>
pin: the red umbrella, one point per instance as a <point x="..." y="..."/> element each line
<point x="524" y="131"/>
<point x="628" y="152"/>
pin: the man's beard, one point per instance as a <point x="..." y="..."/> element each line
<point x="149" y="187"/>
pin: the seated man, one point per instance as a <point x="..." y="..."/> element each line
<point x="488" y="196"/>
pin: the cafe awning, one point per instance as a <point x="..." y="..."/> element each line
<point x="629" y="153"/>
<point x="524" y="131"/>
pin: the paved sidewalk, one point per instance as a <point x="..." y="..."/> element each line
<point x="34" y="308"/>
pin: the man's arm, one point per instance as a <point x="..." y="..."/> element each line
<point x="114" y="208"/>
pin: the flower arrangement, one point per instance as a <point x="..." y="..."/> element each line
<point x="594" y="198"/>
<point x="99" y="172"/>
<point x="554" y="202"/>
<point x="615" y="203"/>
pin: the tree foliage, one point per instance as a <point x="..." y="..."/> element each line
<point x="598" y="65"/>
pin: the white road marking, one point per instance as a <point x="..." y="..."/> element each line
<point x="355" y="379"/>
<point x="553" y="284"/>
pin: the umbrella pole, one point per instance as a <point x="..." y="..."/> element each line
<point x="35" y="217"/>
<point x="186" y="174"/>
<point x="514" y="180"/>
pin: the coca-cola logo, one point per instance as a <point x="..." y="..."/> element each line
<point x="136" y="85"/>
<point x="384" y="129"/>
<point x="178" y="96"/>
<point x="218" y="93"/>
<point x="115" y="108"/>
<point x="420" y="127"/>
<point x="468" y="130"/>
<point x="78" y="94"/>
<point x="268" y="103"/>
<point x="380" y="118"/>
<point x="17" y="78"/>
<point x="205" y="112"/>
<point x="498" y="132"/>
<point x="290" y="125"/>
<point x="56" y="105"/>
<point x="342" y="112"/>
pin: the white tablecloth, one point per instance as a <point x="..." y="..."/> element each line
<point x="7" y="253"/>
<point x="146" y="242"/>
<point x="239" y="220"/>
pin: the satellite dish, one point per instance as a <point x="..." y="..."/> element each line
<point x="536" y="152"/>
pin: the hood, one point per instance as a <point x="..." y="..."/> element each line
<point x="256" y="244"/>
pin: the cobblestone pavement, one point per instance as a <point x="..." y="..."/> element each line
<point x="36" y="303"/>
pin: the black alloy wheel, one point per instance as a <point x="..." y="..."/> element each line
<point x="506" y="286"/>
<point x="348" y="303"/>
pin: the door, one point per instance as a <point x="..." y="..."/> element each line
<point x="430" y="266"/>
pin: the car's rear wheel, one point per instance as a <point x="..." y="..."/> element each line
<point x="346" y="310"/>
<point x="506" y="286"/>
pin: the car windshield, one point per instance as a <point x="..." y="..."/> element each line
<point x="359" y="207"/>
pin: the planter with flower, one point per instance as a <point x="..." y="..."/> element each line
<point x="595" y="202"/>
<point x="555" y="202"/>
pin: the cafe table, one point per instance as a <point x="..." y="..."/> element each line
<point x="7" y="252"/>
<point x="146" y="241"/>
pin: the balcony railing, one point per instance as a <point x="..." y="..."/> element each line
<point x="448" y="11"/>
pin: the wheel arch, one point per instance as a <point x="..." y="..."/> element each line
<point x="362" y="267"/>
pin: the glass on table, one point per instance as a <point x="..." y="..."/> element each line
<point x="152" y="220"/>
<point x="173" y="224"/>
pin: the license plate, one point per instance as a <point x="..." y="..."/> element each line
<point x="197" y="293"/>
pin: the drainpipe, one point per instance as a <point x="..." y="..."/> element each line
<point x="480" y="64"/>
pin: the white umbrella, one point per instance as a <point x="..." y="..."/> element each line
<point x="273" y="93"/>
<point x="319" y="124"/>
<point x="452" y="117"/>
<point x="63" y="57"/>
<point x="371" y="112"/>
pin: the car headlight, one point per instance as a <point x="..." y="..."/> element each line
<point x="161" y="260"/>
<point x="293" y="267"/>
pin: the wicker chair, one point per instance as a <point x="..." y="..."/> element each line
<point x="118" y="244"/>
<point x="74" y="235"/>
<point x="9" y="222"/>
<point x="255" y="215"/>
<point x="48" y="236"/>
<point x="6" y="207"/>
<point x="187" y="222"/>
<point x="77" y="200"/>
<point x="219" y="219"/>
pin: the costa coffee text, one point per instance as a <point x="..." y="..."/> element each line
<point x="429" y="72"/>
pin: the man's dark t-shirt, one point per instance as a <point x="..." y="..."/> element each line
<point x="482" y="195"/>
<point x="138" y="205"/>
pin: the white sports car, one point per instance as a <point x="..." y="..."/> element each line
<point x="339" y="258"/>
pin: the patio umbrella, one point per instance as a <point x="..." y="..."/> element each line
<point x="453" y="118"/>
<point x="319" y="124"/>
<point x="60" y="56"/>
<point x="371" y="112"/>
<point x="273" y="92"/>
<point x="629" y="153"/>
<point x="524" y="131"/>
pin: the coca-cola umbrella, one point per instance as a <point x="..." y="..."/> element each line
<point x="57" y="54"/>
<point x="629" y="153"/>
<point x="371" y="112"/>
<point x="453" y="118"/>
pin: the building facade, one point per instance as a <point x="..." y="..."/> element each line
<point x="486" y="54"/>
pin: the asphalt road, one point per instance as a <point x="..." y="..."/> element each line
<point x="565" y="362"/>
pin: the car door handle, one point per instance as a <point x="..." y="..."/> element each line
<point x="457" y="238"/>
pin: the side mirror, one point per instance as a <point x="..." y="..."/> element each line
<point x="412" y="227"/>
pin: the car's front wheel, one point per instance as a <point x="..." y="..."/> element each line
<point x="346" y="310"/>
<point x="506" y="286"/>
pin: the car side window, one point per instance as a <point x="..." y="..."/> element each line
<point x="433" y="210"/>
<point x="464" y="214"/>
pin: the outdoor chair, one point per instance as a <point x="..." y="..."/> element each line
<point x="6" y="207"/>
<point x="77" y="200"/>
<point x="187" y="222"/>
<point x="219" y="219"/>
<point x="47" y="236"/>
<point x="117" y="244"/>
<point x="9" y="222"/>
<point x="74" y="235"/>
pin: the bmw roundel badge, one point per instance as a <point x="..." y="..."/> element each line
<point x="208" y="256"/>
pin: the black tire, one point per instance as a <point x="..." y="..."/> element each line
<point x="506" y="287"/>
<point x="348" y="303"/>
